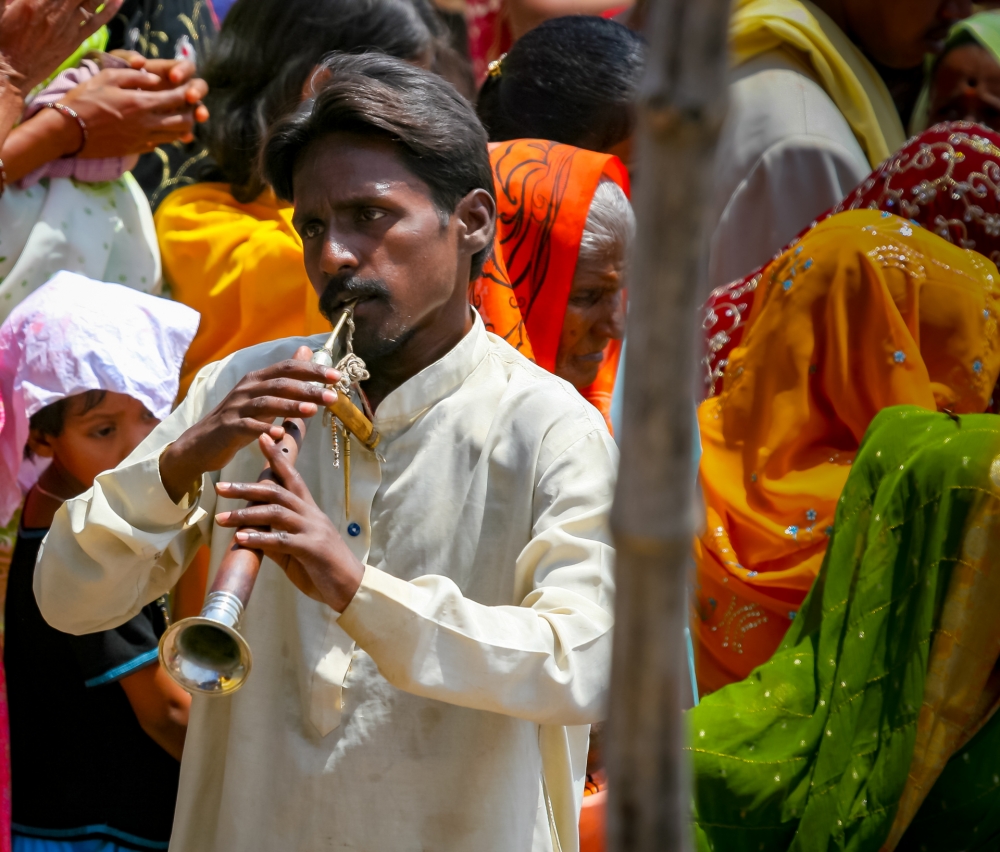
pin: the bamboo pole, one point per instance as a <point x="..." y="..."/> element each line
<point x="682" y="105"/>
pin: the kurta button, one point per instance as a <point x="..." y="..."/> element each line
<point x="354" y="529"/>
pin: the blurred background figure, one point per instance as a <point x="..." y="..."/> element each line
<point x="38" y="40"/>
<point x="795" y="381"/>
<point x="873" y="727"/>
<point x="70" y="202"/>
<point x="819" y="95"/>
<point x="572" y="80"/>
<point x="97" y="728"/>
<point x="35" y="38"/>
<point x="963" y="84"/>
<point x="167" y="29"/>
<point x="495" y="25"/>
<point x="564" y="230"/>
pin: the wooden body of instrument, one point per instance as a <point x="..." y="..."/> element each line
<point x="239" y="567"/>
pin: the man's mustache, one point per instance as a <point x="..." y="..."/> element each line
<point x="340" y="291"/>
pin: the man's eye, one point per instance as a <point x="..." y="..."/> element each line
<point x="103" y="432"/>
<point x="370" y="214"/>
<point x="312" y="230"/>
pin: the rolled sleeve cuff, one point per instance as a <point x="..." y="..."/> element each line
<point x="370" y="610"/>
<point x="137" y="493"/>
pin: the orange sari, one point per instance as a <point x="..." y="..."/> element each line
<point x="544" y="191"/>
<point x="867" y="311"/>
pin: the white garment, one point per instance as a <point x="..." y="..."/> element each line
<point x="104" y="231"/>
<point x="459" y="719"/>
<point x="74" y="335"/>
<point x="786" y="154"/>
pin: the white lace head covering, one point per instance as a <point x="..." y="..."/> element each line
<point x="72" y="335"/>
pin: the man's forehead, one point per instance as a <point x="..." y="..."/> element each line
<point x="342" y="166"/>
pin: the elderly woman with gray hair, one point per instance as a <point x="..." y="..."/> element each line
<point x="564" y="230"/>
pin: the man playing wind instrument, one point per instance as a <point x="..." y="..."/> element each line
<point x="433" y="686"/>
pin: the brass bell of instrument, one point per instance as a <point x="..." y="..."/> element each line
<point x="206" y="653"/>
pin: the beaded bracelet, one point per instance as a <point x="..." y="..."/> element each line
<point x="3" y="179"/>
<point x="72" y="113"/>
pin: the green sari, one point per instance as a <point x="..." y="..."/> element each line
<point x="884" y="675"/>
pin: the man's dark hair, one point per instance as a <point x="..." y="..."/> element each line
<point x="435" y="130"/>
<point x="572" y="80"/>
<point x="263" y="56"/>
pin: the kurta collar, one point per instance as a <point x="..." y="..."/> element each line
<point x="432" y="384"/>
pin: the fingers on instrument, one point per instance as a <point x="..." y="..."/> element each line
<point x="207" y="654"/>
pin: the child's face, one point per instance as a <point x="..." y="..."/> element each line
<point x="966" y="87"/>
<point x="96" y="440"/>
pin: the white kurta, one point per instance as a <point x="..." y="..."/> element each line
<point x="786" y="154"/>
<point x="448" y="707"/>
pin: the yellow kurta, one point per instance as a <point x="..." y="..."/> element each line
<point x="238" y="265"/>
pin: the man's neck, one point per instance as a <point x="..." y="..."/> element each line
<point x="835" y="9"/>
<point x="427" y="345"/>
<point x="903" y="84"/>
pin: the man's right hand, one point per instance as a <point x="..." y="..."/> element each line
<point x="288" y="389"/>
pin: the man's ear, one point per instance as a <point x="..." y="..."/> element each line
<point x="40" y="444"/>
<point x="476" y="214"/>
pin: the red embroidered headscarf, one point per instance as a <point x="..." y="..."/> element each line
<point x="947" y="180"/>
<point x="544" y="191"/>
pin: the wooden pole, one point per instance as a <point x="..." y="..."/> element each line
<point x="682" y="105"/>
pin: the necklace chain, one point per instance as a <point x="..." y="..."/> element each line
<point x="47" y="493"/>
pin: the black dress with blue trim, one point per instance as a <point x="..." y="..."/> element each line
<point x="82" y="768"/>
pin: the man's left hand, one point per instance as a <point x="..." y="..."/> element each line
<point x="301" y="538"/>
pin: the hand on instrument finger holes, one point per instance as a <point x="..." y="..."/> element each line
<point x="300" y="538"/>
<point x="293" y="388"/>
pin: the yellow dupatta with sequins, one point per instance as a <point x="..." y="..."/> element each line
<point x="866" y="312"/>
<point x="760" y="26"/>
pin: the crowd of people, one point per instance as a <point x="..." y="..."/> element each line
<point x="193" y="192"/>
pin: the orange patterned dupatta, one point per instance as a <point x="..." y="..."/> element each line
<point x="492" y="295"/>
<point x="544" y="190"/>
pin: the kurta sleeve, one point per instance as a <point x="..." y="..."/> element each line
<point x="547" y="659"/>
<point x="124" y="542"/>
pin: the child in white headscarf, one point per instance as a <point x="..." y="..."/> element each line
<point x="86" y="371"/>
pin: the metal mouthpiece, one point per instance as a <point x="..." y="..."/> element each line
<point x="325" y="356"/>
<point x="206" y="653"/>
